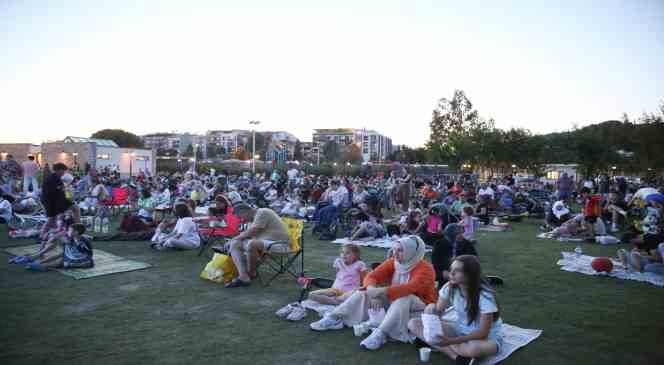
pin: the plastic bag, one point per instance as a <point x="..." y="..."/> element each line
<point x="376" y="316"/>
<point x="220" y="269"/>
<point x="432" y="327"/>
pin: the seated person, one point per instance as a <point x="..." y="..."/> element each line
<point x="266" y="232"/>
<point x="349" y="270"/>
<point x="184" y="235"/>
<point x="468" y="223"/>
<point x="411" y="223"/>
<point x="452" y="245"/>
<point x="482" y="209"/>
<point x="403" y="286"/>
<point x="613" y="209"/>
<point x="146" y="205"/>
<point x="360" y="195"/>
<point x="477" y="331"/>
<point x="371" y="227"/>
<point x="558" y="214"/>
<point x="458" y="205"/>
<point x="97" y="193"/>
<point x="643" y="261"/>
<point x="6" y="210"/>
<point x="433" y="228"/>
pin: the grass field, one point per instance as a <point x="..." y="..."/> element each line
<point x="167" y="315"/>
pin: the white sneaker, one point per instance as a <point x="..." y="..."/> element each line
<point x="614" y="228"/>
<point x="327" y="323"/>
<point x="297" y="314"/>
<point x="375" y="340"/>
<point x="285" y="311"/>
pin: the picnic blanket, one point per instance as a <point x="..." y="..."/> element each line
<point x="105" y="263"/>
<point x="495" y="228"/>
<point x="549" y="236"/>
<point x="581" y="264"/>
<point x="385" y="243"/>
<point x="514" y="337"/>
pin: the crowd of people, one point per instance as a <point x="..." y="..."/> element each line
<point x="399" y="298"/>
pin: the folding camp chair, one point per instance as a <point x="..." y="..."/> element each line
<point x="285" y="262"/>
<point x="119" y="199"/>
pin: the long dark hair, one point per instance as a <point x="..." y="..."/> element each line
<point x="475" y="284"/>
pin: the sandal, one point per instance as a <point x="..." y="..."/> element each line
<point x="236" y="283"/>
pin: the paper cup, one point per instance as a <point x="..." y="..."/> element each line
<point x="425" y="354"/>
<point x="359" y="330"/>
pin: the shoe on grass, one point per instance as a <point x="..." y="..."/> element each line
<point x="327" y="323"/>
<point x="375" y="340"/>
<point x="297" y="314"/>
<point x="285" y="311"/>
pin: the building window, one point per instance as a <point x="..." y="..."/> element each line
<point x="103" y="156"/>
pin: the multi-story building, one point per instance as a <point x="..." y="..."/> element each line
<point x="169" y="141"/>
<point x="229" y="140"/>
<point x="374" y="146"/>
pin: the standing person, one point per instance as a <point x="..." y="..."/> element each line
<point x="403" y="191"/>
<point x="30" y="168"/>
<point x="11" y="171"/>
<point x="564" y="185"/>
<point x="53" y="197"/>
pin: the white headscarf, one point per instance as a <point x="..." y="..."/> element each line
<point x="413" y="252"/>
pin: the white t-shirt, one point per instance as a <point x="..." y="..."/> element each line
<point x="5" y="210"/>
<point x="588" y="184"/>
<point x="488" y="191"/>
<point x="487" y="305"/>
<point x="99" y="192"/>
<point x="292" y="174"/>
<point x="187" y="228"/>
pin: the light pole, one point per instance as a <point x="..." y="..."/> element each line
<point x="131" y="157"/>
<point x="253" y="144"/>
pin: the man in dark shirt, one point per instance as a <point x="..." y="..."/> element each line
<point x="53" y="196"/>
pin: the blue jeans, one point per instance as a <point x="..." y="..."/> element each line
<point x="27" y="181"/>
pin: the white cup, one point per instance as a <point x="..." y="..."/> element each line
<point x="358" y="330"/>
<point x="425" y="354"/>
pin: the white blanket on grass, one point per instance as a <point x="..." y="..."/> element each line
<point x="581" y="264"/>
<point x="514" y="337"/>
<point x="385" y="243"/>
<point x="549" y="236"/>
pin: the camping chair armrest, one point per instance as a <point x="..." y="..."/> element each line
<point x="276" y="243"/>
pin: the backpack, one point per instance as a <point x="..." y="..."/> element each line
<point x="593" y="207"/>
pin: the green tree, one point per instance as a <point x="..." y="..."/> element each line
<point x="330" y="151"/>
<point x="297" y="152"/>
<point x="119" y="136"/>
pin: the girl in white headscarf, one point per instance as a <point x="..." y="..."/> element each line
<point x="402" y="285"/>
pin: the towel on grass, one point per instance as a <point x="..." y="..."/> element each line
<point x="549" y="236"/>
<point x="570" y="262"/>
<point x="514" y="337"/>
<point x="105" y="263"/>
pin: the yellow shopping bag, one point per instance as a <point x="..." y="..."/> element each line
<point x="220" y="269"/>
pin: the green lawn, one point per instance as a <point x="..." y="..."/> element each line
<point x="167" y="314"/>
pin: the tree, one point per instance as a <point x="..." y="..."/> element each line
<point x="353" y="154"/>
<point x="119" y="136"/>
<point x="297" y="152"/>
<point x="330" y="151"/>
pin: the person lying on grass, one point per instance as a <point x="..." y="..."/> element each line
<point x="349" y="269"/>
<point x="643" y="261"/>
<point x="370" y="225"/>
<point x="265" y="233"/>
<point x="402" y="285"/>
<point x="477" y="330"/>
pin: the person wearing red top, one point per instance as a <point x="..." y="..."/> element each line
<point x="403" y="286"/>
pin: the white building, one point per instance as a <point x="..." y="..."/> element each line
<point x="170" y="141"/>
<point x="374" y="146"/>
<point x="229" y="140"/>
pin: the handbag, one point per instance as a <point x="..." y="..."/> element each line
<point x="77" y="254"/>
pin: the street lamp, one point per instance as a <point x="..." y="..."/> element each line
<point x="253" y="149"/>
<point x="131" y="157"/>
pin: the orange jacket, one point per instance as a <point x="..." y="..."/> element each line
<point x="422" y="282"/>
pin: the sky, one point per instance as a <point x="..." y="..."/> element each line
<point x="74" y="67"/>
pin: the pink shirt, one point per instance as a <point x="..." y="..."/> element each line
<point x="30" y="168"/>
<point x="433" y="224"/>
<point x="348" y="276"/>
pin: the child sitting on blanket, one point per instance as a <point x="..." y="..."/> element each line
<point x="477" y="332"/>
<point x="643" y="261"/>
<point x="467" y="223"/>
<point x="350" y="270"/>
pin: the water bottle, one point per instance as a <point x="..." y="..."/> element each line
<point x="578" y="251"/>
<point x="105" y="225"/>
<point x="97" y="224"/>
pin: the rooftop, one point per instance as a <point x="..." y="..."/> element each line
<point x="98" y="142"/>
